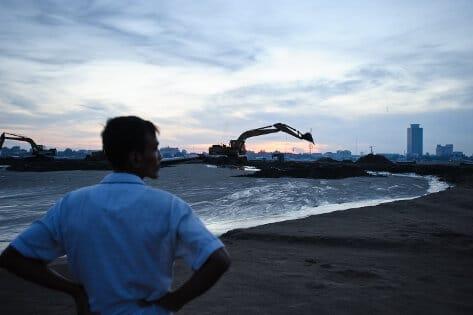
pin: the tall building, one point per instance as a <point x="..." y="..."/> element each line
<point x="445" y="151"/>
<point x="414" y="140"/>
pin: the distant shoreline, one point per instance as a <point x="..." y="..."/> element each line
<point x="272" y="169"/>
<point x="53" y="165"/>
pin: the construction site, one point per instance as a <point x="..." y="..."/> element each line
<point x="233" y="155"/>
<point x="42" y="159"/>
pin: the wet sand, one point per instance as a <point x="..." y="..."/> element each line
<point x="409" y="257"/>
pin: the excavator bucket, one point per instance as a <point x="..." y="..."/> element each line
<point x="2" y="139"/>
<point x="308" y="136"/>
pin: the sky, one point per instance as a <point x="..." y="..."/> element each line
<point x="356" y="73"/>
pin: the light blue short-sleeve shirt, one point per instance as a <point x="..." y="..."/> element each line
<point x="121" y="238"/>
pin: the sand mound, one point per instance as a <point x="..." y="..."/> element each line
<point x="374" y="159"/>
<point x="327" y="160"/>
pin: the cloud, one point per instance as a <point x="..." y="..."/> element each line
<point x="207" y="71"/>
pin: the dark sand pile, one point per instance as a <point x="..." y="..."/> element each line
<point x="326" y="170"/>
<point x="327" y="160"/>
<point x="374" y="159"/>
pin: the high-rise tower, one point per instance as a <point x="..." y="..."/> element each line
<point x="414" y="140"/>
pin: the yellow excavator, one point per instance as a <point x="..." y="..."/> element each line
<point x="37" y="150"/>
<point x="237" y="147"/>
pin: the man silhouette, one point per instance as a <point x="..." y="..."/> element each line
<point x="121" y="237"/>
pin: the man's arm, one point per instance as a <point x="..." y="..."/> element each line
<point x="202" y="280"/>
<point x="37" y="271"/>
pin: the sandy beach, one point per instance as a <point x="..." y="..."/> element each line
<point x="409" y="257"/>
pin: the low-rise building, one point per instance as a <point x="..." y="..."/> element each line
<point x="444" y="151"/>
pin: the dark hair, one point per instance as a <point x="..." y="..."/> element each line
<point x="123" y="135"/>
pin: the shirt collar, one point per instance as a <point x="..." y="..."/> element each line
<point x="122" y="178"/>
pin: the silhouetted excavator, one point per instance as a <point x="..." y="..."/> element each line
<point x="37" y="150"/>
<point x="237" y="147"/>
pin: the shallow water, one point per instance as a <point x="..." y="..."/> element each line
<point x="222" y="201"/>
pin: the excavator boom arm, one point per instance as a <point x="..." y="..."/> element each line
<point x="273" y="129"/>
<point x="257" y="132"/>
<point x="12" y="136"/>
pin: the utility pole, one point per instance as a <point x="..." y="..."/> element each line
<point x="371" y="148"/>
<point x="356" y="146"/>
<point x="310" y="144"/>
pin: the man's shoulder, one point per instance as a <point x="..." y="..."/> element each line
<point x="166" y="197"/>
<point x="150" y="195"/>
<point x="81" y="191"/>
<point x="149" y="192"/>
<point x="160" y="194"/>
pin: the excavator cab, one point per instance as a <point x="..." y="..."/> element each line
<point x="238" y="146"/>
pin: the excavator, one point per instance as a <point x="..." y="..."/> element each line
<point x="37" y="150"/>
<point x="237" y="147"/>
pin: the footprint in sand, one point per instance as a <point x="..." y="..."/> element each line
<point x="326" y="266"/>
<point x="315" y="285"/>
<point x="310" y="262"/>
<point x="358" y="274"/>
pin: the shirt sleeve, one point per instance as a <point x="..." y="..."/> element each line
<point x="42" y="239"/>
<point x="195" y="243"/>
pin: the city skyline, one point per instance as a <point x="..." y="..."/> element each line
<point x="357" y="75"/>
<point x="411" y="149"/>
<point x="440" y="150"/>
